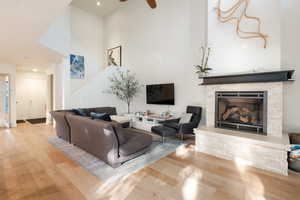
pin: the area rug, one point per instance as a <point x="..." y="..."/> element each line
<point x="107" y="174"/>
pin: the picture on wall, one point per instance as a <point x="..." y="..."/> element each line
<point x="77" y="66"/>
<point x="114" y="56"/>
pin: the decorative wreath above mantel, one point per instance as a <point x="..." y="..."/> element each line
<point x="233" y="14"/>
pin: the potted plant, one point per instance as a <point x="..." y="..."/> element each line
<point x="124" y="86"/>
<point x="203" y="69"/>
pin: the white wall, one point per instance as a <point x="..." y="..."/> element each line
<point x="87" y="41"/>
<point x="159" y="52"/>
<point x="58" y="35"/>
<point x="291" y="59"/>
<point x="92" y="94"/>
<point x="161" y="46"/>
<point x="31" y="90"/>
<point x="11" y="71"/>
<point x="84" y="38"/>
<point x="232" y="54"/>
<point x="59" y="81"/>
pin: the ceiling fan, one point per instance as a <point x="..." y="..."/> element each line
<point x="152" y="3"/>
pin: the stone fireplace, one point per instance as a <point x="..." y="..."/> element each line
<point x="244" y="122"/>
<point x="241" y="110"/>
<point x="270" y="93"/>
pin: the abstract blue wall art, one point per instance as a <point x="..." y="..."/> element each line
<point x="77" y="66"/>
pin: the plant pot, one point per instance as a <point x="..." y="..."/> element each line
<point x="203" y="74"/>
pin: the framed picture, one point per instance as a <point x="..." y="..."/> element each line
<point x="77" y="66"/>
<point x="114" y="56"/>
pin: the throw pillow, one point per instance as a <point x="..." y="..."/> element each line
<point x="80" y="112"/>
<point x="102" y="116"/>
<point x="186" y="118"/>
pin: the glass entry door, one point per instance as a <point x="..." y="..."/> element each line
<point x="4" y="101"/>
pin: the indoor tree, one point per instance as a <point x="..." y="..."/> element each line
<point x="124" y="86"/>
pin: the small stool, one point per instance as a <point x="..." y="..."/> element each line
<point x="163" y="131"/>
<point x="294" y="165"/>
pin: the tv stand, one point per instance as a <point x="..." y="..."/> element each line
<point x="147" y="122"/>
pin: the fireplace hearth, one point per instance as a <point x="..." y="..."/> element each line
<point x="244" y="111"/>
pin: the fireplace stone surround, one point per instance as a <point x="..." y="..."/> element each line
<point x="268" y="152"/>
<point x="274" y="108"/>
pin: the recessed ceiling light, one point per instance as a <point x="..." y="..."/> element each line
<point x="98" y="3"/>
<point x="34" y="70"/>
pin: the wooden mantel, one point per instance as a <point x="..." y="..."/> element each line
<point x="272" y="76"/>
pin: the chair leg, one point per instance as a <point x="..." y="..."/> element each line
<point x="163" y="139"/>
<point x="182" y="136"/>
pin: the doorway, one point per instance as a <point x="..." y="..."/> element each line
<point x="31" y="95"/>
<point x="50" y="98"/>
<point x="4" y="101"/>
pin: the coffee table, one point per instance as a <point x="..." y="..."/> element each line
<point x="147" y="122"/>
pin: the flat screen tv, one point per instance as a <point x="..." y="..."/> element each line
<point x="162" y="94"/>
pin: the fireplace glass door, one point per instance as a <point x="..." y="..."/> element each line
<point x="245" y="111"/>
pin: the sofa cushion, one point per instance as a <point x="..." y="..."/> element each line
<point x="135" y="144"/>
<point x="109" y="110"/>
<point x="120" y="133"/>
<point x="80" y="112"/>
<point x="186" y="118"/>
<point x="62" y="125"/>
<point x="102" y="116"/>
<point x="118" y="130"/>
<point x="174" y="125"/>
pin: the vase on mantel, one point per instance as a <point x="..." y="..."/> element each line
<point x="203" y="69"/>
<point x="203" y="75"/>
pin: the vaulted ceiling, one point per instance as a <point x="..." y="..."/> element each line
<point x="22" y="24"/>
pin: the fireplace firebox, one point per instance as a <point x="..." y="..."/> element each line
<point x="244" y="111"/>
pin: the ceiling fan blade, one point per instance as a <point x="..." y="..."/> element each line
<point x="152" y="3"/>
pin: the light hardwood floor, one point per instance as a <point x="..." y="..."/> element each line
<point x="31" y="168"/>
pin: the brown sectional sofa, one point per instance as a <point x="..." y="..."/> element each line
<point x="107" y="141"/>
<point x="63" y="129"/>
